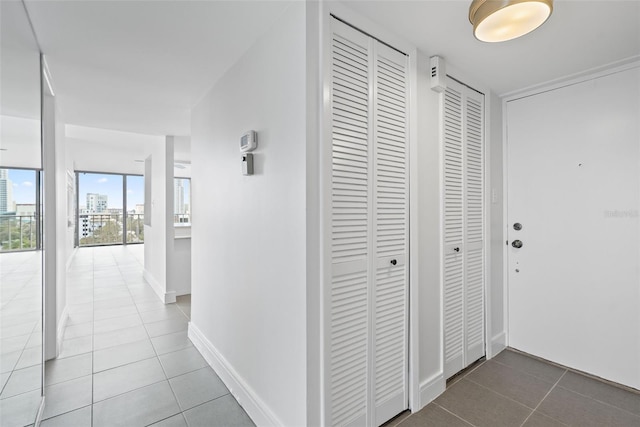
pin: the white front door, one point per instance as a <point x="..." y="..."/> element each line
<point x="573" y="160"/>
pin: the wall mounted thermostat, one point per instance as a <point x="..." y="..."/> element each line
<point x="249" y="141"/>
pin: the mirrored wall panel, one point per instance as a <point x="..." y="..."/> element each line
<point x="20" y="226"/>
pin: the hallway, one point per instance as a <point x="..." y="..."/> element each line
<point x="125" y="358"/>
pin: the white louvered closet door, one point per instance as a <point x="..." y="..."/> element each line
<point x="391" y="225"/>
<point x="463" y="270"/>
<point x="369" y="225"/>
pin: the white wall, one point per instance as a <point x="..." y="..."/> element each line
<point x="56" y="241"/>
<point x="21" y="139"/>
<point x="179" y="260"/>
<point x="103" y="150"/>
<point x="248" y="240"/>
<point x="158" y="237"/>
<point x="432" y="382"/>
<point x="495" y="286"/>
<point x="50" y="215"/>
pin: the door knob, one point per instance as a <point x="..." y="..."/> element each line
<point x="517" y="244"/>
<point x="394" y="262"/>
<point x="456" y="249"/>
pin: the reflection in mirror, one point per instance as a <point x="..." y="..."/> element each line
<point x="20" y="255"/>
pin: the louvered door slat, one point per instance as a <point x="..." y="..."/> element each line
<point x="463" y="269"/>
<point x="350" y="226"/>
<point x="453" y="319"/>
<point x="474" y="228"/>
<point x="369" y="226"/>
<point x="391" y="225"/>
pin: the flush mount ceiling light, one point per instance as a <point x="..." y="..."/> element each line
<point x="502" y="20"/>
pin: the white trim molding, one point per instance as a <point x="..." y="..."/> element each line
<point x="62" y="326"/>
<point x="498" y="343"/>
<point x="255" y="407"/>
<point x="165" y="297"/>
<point x="431" y="388"/>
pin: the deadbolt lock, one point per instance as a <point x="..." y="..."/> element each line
<point x="517" y="226"/>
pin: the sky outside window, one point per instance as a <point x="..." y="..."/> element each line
<point x="111" y="186"/>
<point x="23" y="182"/>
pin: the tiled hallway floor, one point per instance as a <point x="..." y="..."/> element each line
<point x="126" y="359"/>
<point x="20" y="336"/>
<point x="514" y="390"/>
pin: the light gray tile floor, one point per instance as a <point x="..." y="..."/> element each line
<point x="125" y="360"/>
<point x="20" y="337"/>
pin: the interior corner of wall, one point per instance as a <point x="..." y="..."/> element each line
<point x="250" y="401"/>
<point x="498" y="343"/>
<point x="431" y="388"/>
<point x="155" y="285"/>
<point x="61" y="327"/>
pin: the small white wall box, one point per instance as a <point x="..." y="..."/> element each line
<point x="247" y="164"/>
<point x="438" y="74"/>
<point x="249" y="141"/>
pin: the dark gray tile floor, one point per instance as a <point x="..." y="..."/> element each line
<point x="516" y="390"/>
<point x="126" y="359"/>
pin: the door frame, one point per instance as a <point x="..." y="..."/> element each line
<point x="374" y="30"/>
<point x="587" y="75"/>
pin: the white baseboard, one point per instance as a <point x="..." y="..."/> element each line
<point x="498" y="343"/>
<point x="62" y="326"/>
<point x="165" y="297"/>
<point x="181" y="292"/>
<point x="40" y="412"/>
<point x="431" y="388"/>
<point x="70" y="259"/>
<point x="169" y="297"/>
<point x="259" y="412"/>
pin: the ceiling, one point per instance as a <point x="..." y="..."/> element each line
<point x="579" y="35"/>
<point x="140" y="66"/>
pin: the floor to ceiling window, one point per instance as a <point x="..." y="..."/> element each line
<point x="110" y="209"/>
<point x="18" y="209"/>
<point x="135" y="208"/>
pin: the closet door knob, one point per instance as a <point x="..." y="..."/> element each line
<point x="394" y="262"/>
<point x="456" y="249"/>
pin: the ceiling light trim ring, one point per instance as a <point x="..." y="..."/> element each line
<point x="480" y="10"/>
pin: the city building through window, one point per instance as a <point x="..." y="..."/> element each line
<point x="19" y="210"/>
<point x="182" y="201"/>
<point x="110" y="209"/>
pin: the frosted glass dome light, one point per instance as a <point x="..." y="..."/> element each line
<point x="502" y="20"/>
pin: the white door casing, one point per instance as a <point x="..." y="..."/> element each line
<point x="369" y="228"/>
<point x="573" y="170"/>
<point x="463" y="228"/>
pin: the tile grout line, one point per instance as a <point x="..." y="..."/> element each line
<point x="499" y="394"/>
<point x="599" y="401"/>
<point x="155" y="352"/>
<point x="13" y="369"/>
<point x="454" y="414"/>
<point x="93" y="319"/>
<point x="543" y="399"/>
